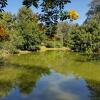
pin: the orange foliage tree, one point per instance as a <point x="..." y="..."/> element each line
<point x="3" y="34"/>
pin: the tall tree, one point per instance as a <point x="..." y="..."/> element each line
<point x="51" y="14"/>
<point x="29" y="28"/>
<point x="3" y="4"/>
<point x="10" y="38"/>
<point x="94" y="10"/>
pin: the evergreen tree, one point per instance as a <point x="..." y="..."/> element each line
<point x="30" y="28"/>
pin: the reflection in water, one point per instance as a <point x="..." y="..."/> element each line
<point x="59" y="87"/>
<point x="94" y="88"/>
<point x="52" y="87"/>
<point x="25" y="79"/>
<point x="28" y="77"/>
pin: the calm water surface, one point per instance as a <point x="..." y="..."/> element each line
<point x="53" y="75"/>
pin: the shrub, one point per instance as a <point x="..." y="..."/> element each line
<point x="54" y="44"/>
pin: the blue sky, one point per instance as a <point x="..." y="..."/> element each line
<point x="81" y="6"/>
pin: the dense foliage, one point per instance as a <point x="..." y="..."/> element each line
<point x="51" y="10"/>
<point x="28" y="31"/>
<point x="86" y="38"/>
<point x="20" y="32"/>
<point x="31" y="30"/>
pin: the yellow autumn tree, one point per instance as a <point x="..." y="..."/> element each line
<point x="73" y="15"/>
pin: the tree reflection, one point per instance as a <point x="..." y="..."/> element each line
<point x="94" y="88"/>
<point x="5" y="87"/>
<point x="25" y="82"/>
<point x="28" y="80"/>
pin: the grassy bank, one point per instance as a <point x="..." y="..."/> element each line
<point x="43" y="48"/>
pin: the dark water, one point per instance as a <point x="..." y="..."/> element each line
<point x="24" y="79"/>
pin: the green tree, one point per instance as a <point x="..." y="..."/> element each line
<point x="13" y="38"/>
<point x="86" y="38"/>
<point x="3" y="4"/>
<point x="51" y="14"/>
<point x="30" y="28"/>
<point x="64" y="31"/>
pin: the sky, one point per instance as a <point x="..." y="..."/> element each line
<point x="81" y="6"/>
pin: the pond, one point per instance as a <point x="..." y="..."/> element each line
<point x="51" y="75"/>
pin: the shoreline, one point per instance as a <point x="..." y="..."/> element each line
<point x="43" y="49"/>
